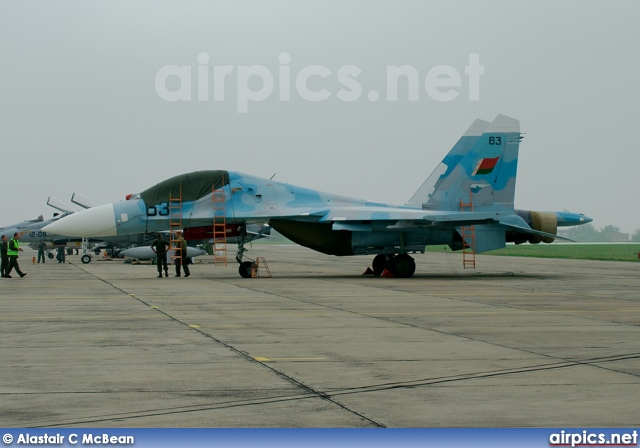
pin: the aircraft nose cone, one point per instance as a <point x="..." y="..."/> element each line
<point x="585" y="219"/>
<point x="92" y="222"/>
<point x="572" y="219"/>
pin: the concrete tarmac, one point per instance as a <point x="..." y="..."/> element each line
<point x="519" y="342"/>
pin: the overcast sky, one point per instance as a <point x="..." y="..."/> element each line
<point x="80" y="110"/>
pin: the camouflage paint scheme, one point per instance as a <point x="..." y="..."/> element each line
<point x="480" y="169"/>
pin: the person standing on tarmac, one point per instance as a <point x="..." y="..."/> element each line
<point x="12" y="252"/>
<point x="61" y="255"/>
<point x="41" y="246"/>
<point x="4" y="247"/>
<point x="182" y="260"/>
<point x="160" y="247"/>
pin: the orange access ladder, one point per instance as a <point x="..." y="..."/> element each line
<point x="255" y="267"/>
<point x="219" y="228"/>
<point x="468" y="238"/>
<point x="175" y="222"/>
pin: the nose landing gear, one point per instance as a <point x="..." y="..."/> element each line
<point x="244" y="268"/>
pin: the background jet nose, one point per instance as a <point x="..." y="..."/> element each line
<point x="96" y="221"/>
<point x="572" y="219"/>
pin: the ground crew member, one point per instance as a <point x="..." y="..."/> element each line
<point x="160" y="247"/>
<point x="41" y="246"/>
<point x="182" y="259"/>
<point x="61" y="255"/>
<point x="4" y="247"/>
<point x="12" y="252"/>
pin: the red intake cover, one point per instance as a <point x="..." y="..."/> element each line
<point x="206" y="232"/>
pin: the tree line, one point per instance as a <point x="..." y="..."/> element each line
<point x="610" y="233"/>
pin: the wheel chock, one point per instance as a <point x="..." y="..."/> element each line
<point x="386" y="274"/>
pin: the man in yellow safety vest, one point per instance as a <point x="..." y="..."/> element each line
<point x="12" y="252"/>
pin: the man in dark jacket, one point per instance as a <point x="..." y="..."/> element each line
<point x="41" y="246"/>
<point x="181" y="255"/>
<point x="160" y="247"/>
<point x="4" y="246"/>
<point x="61" y="257"/>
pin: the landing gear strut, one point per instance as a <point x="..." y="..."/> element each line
<point x="86" y="258"/>
<point x="400" y="265"/>
<point x="245" y="266"/>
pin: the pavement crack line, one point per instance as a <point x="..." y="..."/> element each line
<point x="246" y="356"/>
<point x="389" y="319"/>
<point x="381" y="387"/>
<point x="561" y="363"/>
<point x="179" y="410"/>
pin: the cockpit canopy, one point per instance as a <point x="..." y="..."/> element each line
<point x="187" y="187"/>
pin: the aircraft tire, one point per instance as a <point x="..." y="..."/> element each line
<point x="378" y="264"/>
<point x="245" y="269"/>
<point x="50" y="256"/>
<point x="86" y="258"/>
<point x="403" y="266"/>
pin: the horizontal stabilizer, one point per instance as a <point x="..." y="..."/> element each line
<point x="530" y="231"/>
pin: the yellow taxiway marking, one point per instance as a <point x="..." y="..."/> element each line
<point x="263" y="359"/>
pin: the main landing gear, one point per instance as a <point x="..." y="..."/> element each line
<point x="400" y="265"/>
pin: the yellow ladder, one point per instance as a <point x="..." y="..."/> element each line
<point x="219" y="228"/>
<point x="468" y="235"/>
<point x="175" y="222"/>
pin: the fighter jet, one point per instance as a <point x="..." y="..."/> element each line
<point x="473" y="187"/>
<point x="28" y="222"/>
<point x="32" y="232"/>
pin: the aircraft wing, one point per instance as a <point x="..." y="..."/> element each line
<point x="399" y="218"/>
<point x="405" y="219"/>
